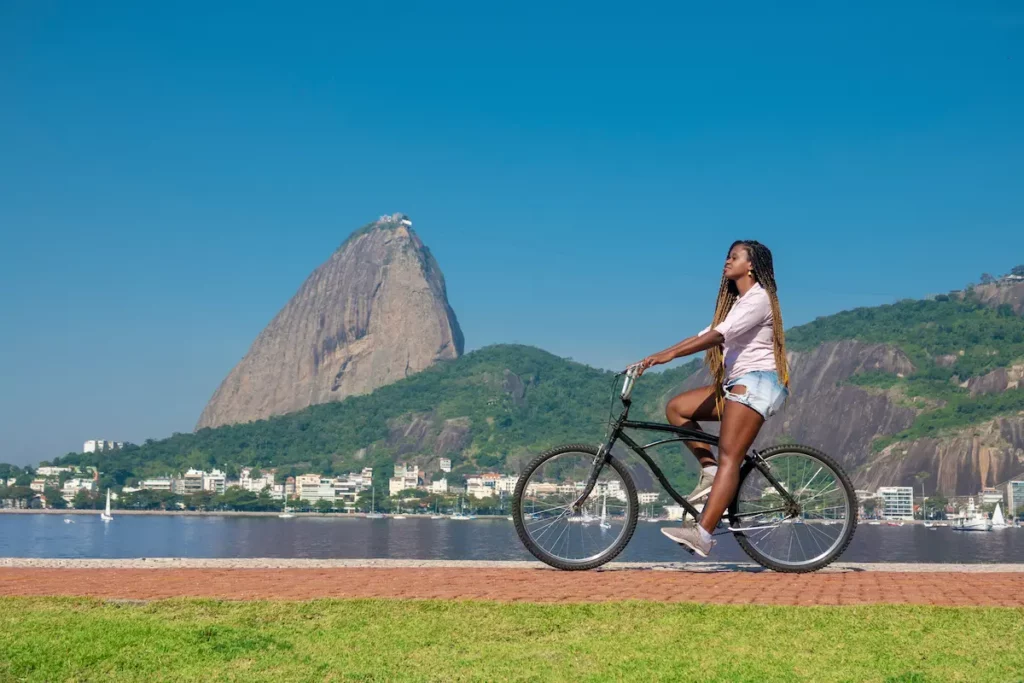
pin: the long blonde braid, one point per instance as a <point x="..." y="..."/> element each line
<point x="764" y="274"/>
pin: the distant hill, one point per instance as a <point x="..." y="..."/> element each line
<point x="488" y="410"/>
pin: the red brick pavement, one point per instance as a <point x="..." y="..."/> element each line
<point x="525" y="585"/>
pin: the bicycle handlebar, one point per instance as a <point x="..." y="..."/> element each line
<point x="627" y="385"/>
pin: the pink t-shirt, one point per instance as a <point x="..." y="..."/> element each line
<point x="749" y="338"/>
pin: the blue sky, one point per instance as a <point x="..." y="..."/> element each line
<point x="170" y="174"/>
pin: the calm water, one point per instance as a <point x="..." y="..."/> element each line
<point x="144" y="536"/>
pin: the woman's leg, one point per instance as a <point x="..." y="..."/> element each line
<point x="740" y="425"/>
<point x="685" y="409"/>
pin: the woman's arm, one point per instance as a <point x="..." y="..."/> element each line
<point x="687" y="347"/>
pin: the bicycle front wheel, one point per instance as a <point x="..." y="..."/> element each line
<point x="557" y="533"/>
<point x="802" y="536"/>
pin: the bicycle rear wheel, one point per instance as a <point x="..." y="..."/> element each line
<point x="795" y="538"/>
<point x="557" y="534"/>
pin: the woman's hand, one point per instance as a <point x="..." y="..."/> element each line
<point x="651" y="361"/>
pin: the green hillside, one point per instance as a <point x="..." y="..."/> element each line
<point x="949" y="340"/>
<point x="513" y="401"/>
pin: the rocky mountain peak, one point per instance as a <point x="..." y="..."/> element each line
<point x="375" y="312"/>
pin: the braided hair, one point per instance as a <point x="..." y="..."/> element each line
<point x="764" y="274"/>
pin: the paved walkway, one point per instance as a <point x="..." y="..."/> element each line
<point x="843" y="584"/>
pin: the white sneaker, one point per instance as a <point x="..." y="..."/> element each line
<point x="703" y="487"/>
<point x="690" y="537"/>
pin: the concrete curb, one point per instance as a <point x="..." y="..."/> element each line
<point x="288" y="563"/>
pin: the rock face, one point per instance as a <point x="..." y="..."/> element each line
<point x="843" y="420"/>
<point x="838" y="418"/>
<point x="1003" y="292"/>
<point x="375" y="312"/>
<point x="958" y="464"/>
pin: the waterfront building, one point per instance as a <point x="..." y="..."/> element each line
<point x="158" y="484"/>
<point x="647" y="497"/>
<point x="989" y="496"/>
<point x="446" y="464"/>
<point x="439" y="486"/>
<point x="406" y="477"/>
<point x="189" y="483"/>
<point x="897" y="502"/>
<point x="1015" y="499"/>
<point x="38" y="485"/>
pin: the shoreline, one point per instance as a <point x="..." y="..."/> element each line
<point x="325" y="515"/>
<point x="222" y="513"/>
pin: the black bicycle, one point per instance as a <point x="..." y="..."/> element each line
<point x="575" y="507"/>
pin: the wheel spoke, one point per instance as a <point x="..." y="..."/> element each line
<point x="558" y="532"/>
<point x="818" y="527"/>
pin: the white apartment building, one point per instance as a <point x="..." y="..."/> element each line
<point x="265" y="481"/>
<point x="307" y="486"/>
<point x="97" y="445"/>
<point x="38" y="485"/>
<point x="189" y="483"/>
<point x="439" y="486"/>
<point x="322" y="490"/>
<point x="541" y="489"/>
<point x="674" y="512"/>
<point x="897" y="502"/>
<point x="446" y="464"/>
<point x="506" y="485"/>
<point x="158" y="484"/>
<point x="479" y="490"/>
<point x="1014" y="499"/>
<point x="647" y="497"/>
<point x="406" y="477"/>
<point x="48" y="471"/>
<point x="989" y="496"/>
<point x="214" y="481"/>
<point x="73" y="486"/>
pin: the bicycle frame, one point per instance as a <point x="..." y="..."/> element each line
<point x="680" y="434"/>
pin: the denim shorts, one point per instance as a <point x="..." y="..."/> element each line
<point x="765" y="393"/>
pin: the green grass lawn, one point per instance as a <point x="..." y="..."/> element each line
<point x="65" y="639"/>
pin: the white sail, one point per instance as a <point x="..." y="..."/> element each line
<point x="106" y="516"/>
<point x="998" y="521"/>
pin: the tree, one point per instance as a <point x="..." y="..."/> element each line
<point x="987" y="279"/>
<point x="84" y="500"/>
<point x="869" y="506"/>
<point x="1017" y="270"/>
<point x="54" y="499"/>
<point x="324" y="505"/>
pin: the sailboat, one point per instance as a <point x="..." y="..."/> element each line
<point x="998" y="522"/>
<point x="105" y="515"/>
<point x="399" y="515"/>
<point x="462" y="512"/>
<point x="650" y="515"/>
<point x="373" y="514"/>
<point x="437" y="513"/>
<point x="287" y="513"/>
<point x="604" y="512"/>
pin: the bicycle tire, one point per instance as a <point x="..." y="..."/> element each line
<point x="540" y="553"/>
<point x="838" y="550"/>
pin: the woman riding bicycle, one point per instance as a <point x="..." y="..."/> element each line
<point x="746" y="356"/>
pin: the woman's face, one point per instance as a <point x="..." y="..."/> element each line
<point x="737" y="263"/>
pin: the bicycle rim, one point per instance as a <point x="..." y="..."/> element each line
<point x="808" y="536"/>
<point x="561" y="535"/>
